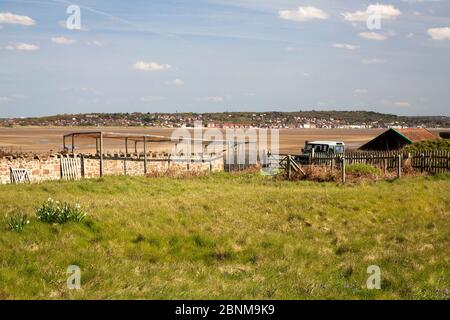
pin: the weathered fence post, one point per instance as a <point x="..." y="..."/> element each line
<point x="447" y="166"/>
<point x="145" y="155"/>
<point x="289" y="166"/>
<point x="82" y="165"/>
<point x="399" y="166"/>
<point x="343" y="169"/>
<point x="422" y="162"/>
<point x="101" y="154"/>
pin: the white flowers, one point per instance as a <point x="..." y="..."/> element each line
<point x="55" y="212"/>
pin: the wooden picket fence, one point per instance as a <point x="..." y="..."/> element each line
<point x="433" y="161"/>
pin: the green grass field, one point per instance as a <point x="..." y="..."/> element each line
<point x="230" y="237"/>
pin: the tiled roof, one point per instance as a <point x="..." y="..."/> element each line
<point x="417" y="134"/>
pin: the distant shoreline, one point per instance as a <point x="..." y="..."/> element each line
<point x="189" y="128"/>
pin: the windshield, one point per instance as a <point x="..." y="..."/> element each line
<point x="339" y="149"/>
<point x="316" y="147"/>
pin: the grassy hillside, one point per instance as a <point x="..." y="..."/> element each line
<point x="230" y="236"/>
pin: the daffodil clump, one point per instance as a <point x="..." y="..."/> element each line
<point x="56" y="212"/>
<point x="18" y="222"/>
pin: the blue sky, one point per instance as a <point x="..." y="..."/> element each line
<point x="224" y="55"/>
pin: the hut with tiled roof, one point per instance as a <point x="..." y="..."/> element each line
<point x="395" y="139"/>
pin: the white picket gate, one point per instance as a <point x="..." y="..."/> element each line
<point x="70" y="168"/>
<point x="19" y="175"/>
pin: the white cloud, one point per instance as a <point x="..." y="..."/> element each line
<point x="150" y="66"/>
<point x="175" y="82"/>
<point x="63" y="24"/>
<point x="151" y="98"/>
<point x="372" y="36"/>
<point x="91" y="90"/>
<point x="63" y="40"/>
<point x="4" y="99"/>
<point x="373" y="61"/>
<point x="22" y="47"/>
<point x="10" y="18"/>
<point x="420" y="1"/>
<point x="358" y="92"/>
<point x="18" y="96"/>
<point x="14" y="96"/>
<point x="345" y="46"/>
<point x="303" y="14"/>
<point x="96" y="43"/>
<point x="385" y="11"/>
<point x="214" y="99"/>
<point x="439" y="34"/>
<point x="402" y="104"/>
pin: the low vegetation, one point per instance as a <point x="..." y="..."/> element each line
<point x="362" y="170"/>
<point x="355" y="173"/>
<point x="55" y="212"/>
<point x="228" y="236"/>
<point x="17" y="222"/>
<point x="429" y="145"/>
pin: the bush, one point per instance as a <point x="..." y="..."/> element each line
<point x="17" y="222"/>
<point x="320" y="173"/>
<point x="428" y="145"/>
<point x="55" y="212"/>
<point x="359" y="169"/>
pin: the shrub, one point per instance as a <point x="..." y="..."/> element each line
<point x="359" y="169"/>
<point x="320" y="173"/>
<point x="55" y="212"/>
<point x="428" y="145"/>
<point x="17" y="222"/>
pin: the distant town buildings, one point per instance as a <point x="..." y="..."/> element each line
<point x="235" y="120"/>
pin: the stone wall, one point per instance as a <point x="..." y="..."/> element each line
<point x="49" y="168"/>
<point x="39" y="169"/>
